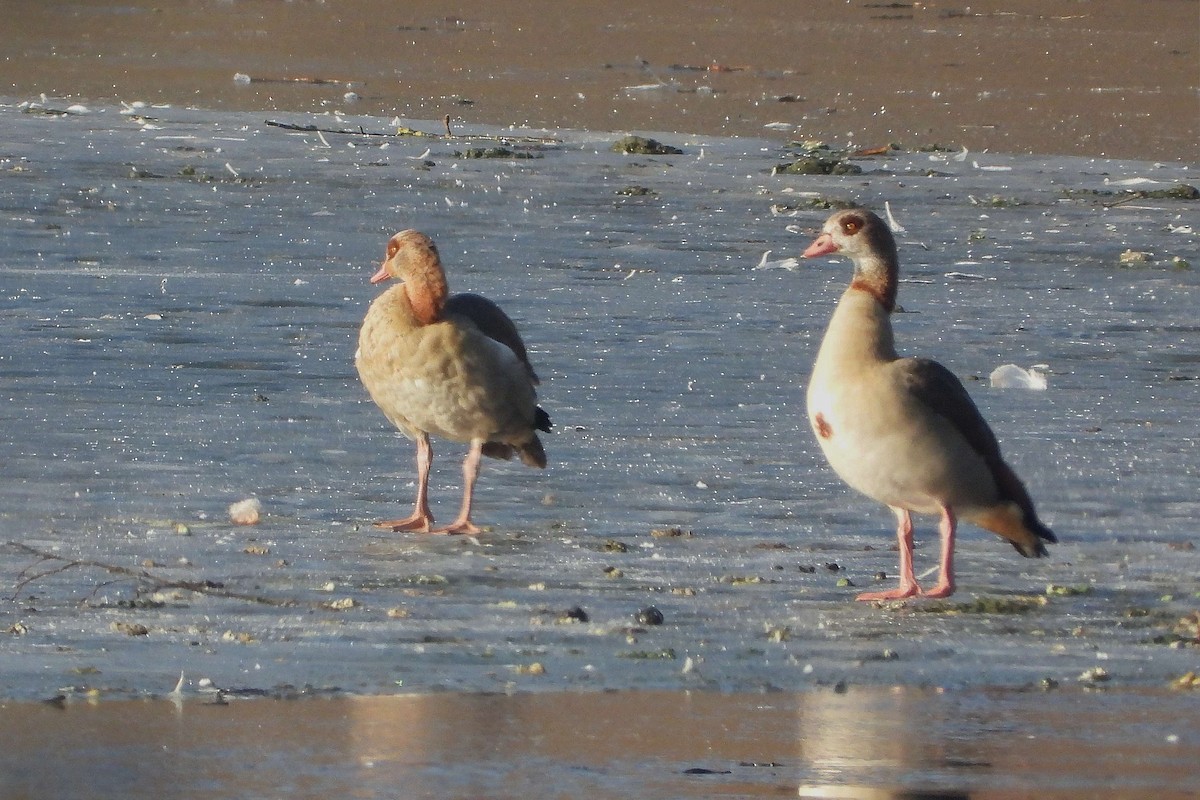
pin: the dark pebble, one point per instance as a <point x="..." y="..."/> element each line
<point x="650" y="616"/>
<point x="576" y="614"/>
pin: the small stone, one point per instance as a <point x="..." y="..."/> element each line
<point x="649" y="616"/>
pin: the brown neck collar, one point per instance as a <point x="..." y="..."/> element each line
<point x="880" y="282"/>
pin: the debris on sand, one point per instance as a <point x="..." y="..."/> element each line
<point x="815" y="165"/>
<point x="1011" y="376"/>
<point x="641" y="146"/>
<point x="246" y="512"/>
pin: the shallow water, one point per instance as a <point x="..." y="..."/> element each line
<point x="183" y="293"/>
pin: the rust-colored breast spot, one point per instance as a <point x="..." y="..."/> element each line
<point x="824" y="429"/>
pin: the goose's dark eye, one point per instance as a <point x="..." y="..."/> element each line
<point x="852" y="226"/>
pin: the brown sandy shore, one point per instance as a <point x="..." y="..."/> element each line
<point x="1116" y="78"/>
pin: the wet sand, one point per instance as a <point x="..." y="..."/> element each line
<point x="1116" y="78"/>
<point x="870" y="744"/>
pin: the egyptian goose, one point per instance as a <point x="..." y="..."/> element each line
<point x="449" y="365"/>
<point x="904" y="431"/>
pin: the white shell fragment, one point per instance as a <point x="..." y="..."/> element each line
<point x="1010" y="376"/>
<point x="246" y="512"/>
<point x="779" y="263"/>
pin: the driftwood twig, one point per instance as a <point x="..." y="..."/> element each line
<point x="157" y="582"/>
<point x="405" y="131"/>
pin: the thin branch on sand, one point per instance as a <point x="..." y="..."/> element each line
<point x="143" y="576"/>
<point x="405" y="131"/>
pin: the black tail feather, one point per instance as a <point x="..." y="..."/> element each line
<point x="1044" y="534"/>
<point x="532" y="453"/>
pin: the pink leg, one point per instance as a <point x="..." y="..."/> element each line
<point x="908" y="581"/>
<point x="945" y="584"/>
<point x="421" y="518"/>
<point x="470" y="470"/>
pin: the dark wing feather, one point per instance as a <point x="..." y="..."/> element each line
<point x="942" y="392"/>
<point x="492" y="322"/>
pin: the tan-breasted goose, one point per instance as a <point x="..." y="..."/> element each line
<point x="449" y="365"/>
